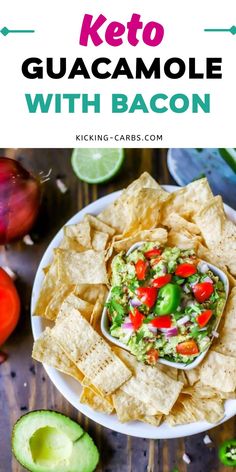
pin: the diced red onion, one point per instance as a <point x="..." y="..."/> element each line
<point x="208" y="279"/>
<point x="183" y="320"/>
<point x="215" y="334"/>
<point x="164" y="269"/>
<point x="169" y="332"/>
<point x="186" y="458"/>
<point x="186" y="289"/>
<point x="152" y="328"/>
<point x="202" y="267"/>
<point x="135" y="302"/>
<point x="127" y="326"/>
<point x="194" y="283"/>
<point x="207" y="440"/>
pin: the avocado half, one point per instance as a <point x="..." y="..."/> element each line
<point x="45" y="441"/>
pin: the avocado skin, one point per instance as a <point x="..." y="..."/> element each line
<point x="84" y="457"/>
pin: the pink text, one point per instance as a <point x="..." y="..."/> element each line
<point x="152" y="33"/>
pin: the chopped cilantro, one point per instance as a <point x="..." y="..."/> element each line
<point x="117" y="291"/>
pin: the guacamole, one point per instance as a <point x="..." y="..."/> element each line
<point x="164" y="303"/>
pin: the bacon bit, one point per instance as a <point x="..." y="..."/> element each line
<point x="207" y="439"/>
<point x="3" y="357"/>
<point x="186" y="458"/>
<point x="10" y="272"/>
<point x="62" y="187"/>
<point x="28" y="240"/>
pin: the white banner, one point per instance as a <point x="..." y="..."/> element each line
<point x="154" y="78"/>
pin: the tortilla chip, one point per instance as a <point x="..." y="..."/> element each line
<point x="226" y="343"/>
<point x="95" y="401"/>
<point x="54" y="305"/>
<point x="204" y="391"/>
<point x="229" y="317"/>
<point x="90" y="293"/>
<point x="161" y="391"/>
<point x="152" y="235"/>
<point x="170" y="371"/>
<point x="212" y="257"/>
<point x="219" y="371"/>
<point x="92" y="355"/>
<point x="144" y="210"/>
<point x="183" y="239"/>
<point x="99" y="240"/>
<point x="153" y="420"/>
<point x="193" y="375"/>
<point x="47" y="290"/>
<point x="189" y="409"/>
<point x="150" y="384"/>
<point x="218" y="232"/>
<point x="178" y="223"/>
<point x="95" y="317"/>
<point x="72" y="301"/>
<point x="187" y="200"/>
<point x="71" y="244"/>
<point x="80" y="232"/>
<point x="48" y="351"/>
<point x="129" y="408"/>
<point x="86" y="267"/>
<point x="117" y="214"/>
<point x="98" y="225"/>
<point x="182" y="377"/>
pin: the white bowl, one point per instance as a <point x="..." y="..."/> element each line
<point x="71" y="389"/>
<point x="178" y="365"/>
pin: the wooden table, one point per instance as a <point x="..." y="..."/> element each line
<point x="24" y="385"/>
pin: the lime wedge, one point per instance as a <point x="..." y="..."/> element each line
<point x="95" y="166"/>
<point x="229" y="155"/>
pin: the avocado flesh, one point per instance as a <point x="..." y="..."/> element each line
<point x="44" y="441"/>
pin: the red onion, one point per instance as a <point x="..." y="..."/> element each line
<point x="169" y="332"/>
<point x="215" y="334"/>
<point x="202" y="267"/>
<point x="152" y="328"/>
<point x="208" y="279"/>
<point x="183" y="320"/>
<point x="127" y="326"/>
<point x="135" y="302"/>
<point x="19" y="200"/>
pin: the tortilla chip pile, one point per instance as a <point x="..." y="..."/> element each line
<point x="76" y="285"/>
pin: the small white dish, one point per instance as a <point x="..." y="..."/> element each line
<point x="178" y="365"/>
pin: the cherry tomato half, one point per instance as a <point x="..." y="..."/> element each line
<point x="5" y="279"/>
<point x="153" y="253"/>
<point x="9" y="306"/>
<point x="185" y="270"/>
<point x="136" y="318"/>
<point x="203" y="291"/>
<point x="141" y="269"/>
<point x="204" y="317"/>
<point x="147" y="295"/>
<point x="161" y="281"/>
<point x="152" y="356"/>
<point x="162" y="322"/>
<point x="187" y="348"/>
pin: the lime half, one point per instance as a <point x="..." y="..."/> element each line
<point x="95" y="166"/>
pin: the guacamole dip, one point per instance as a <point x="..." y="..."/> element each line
<point x="164" y="303"/>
